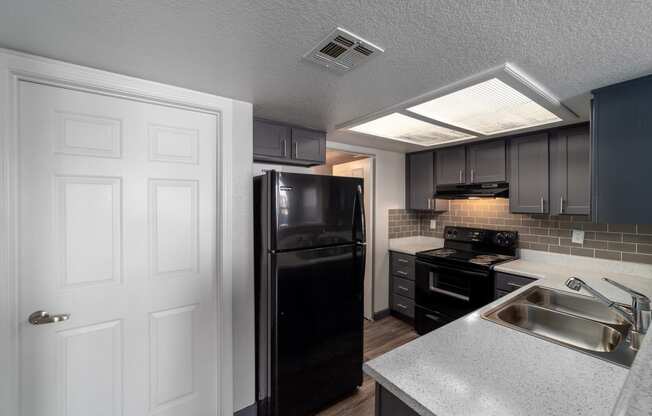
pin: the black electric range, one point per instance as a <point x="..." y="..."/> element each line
<point x="457" y="279"/>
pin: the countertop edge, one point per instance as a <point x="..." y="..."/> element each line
<point x="396" y="391"/>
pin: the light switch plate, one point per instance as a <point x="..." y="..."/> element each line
<point x="578" y="237"/>
<point x="433" y="224"/>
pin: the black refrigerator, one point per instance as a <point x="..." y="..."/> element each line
<point x="309" y="261"/>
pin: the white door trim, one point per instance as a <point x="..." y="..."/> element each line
<point x="16" y="67"/>
<point x="371" y="245"/>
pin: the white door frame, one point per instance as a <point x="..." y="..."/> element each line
<point x="371" y="245"/>
<point x="16" y="67"/>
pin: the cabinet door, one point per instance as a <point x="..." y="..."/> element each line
<point x="271" y="139"/>
<point x="309" y="145"/>
<point x="420" y="180"/>
<point x="570" y="172"/>
<point x="451" y="165"/>
<point x="487" y="162"/>
<point x="528" y="188"/>
<point x="622" y="122"/>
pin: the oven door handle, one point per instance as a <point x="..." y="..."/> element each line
<point x="435" y="289"/>
<point x="458" y="271"/>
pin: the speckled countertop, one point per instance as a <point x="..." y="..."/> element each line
<point x="412" y="245"/>
<point x="476" y="367"/>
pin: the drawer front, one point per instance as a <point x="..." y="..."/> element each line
<point x="403" y="287"/>
<point x="509" y="282"/>
<point x="403" y="305"/>
<point x="500" y="293"/>
<point x="403" y="266"/>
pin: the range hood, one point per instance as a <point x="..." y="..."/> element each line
<point x="471" y="191"/>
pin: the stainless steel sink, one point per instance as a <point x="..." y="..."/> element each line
<point x="575" y="321"/>
<point x="578" y="305"/>
<point x="561" y="327"/>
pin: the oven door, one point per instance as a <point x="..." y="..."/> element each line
<point x="451" y="291"/>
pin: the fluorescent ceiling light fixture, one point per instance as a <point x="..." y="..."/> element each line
<point x="500" y="100"/>
<point x="398" y="126"/>
<point x="489" y="107"/>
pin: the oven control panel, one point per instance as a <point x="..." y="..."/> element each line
<point x="470" y="235"/>
<point x="505" y="239"/>
<point x="486" y="239"/>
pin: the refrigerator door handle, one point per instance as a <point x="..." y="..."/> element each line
<point x="363" y="265"/>
<point x="359" y="218"/>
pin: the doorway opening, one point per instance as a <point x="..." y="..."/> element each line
<point x="358" y="165"/>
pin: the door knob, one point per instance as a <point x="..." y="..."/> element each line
<point x="42" y="317"/>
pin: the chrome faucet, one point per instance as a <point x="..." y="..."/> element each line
<point x="639" y="317"/>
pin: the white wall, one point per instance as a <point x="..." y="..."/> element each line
<point x="389" y="182"/>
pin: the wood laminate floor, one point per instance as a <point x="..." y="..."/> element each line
<point x="379" y="337"/>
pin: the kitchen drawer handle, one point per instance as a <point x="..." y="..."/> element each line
<point x="401" y="272"/>
<point x="403" y="288"/>
<point x="403" y="261"/>
<point x="433" y="317"/>
<point x="514" y="286"/>
<point x="400" y="305"/>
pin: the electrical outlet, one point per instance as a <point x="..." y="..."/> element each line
<point x="578" y="237"/>
<point x="433" y="224"/>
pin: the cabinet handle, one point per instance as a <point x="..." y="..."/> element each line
<point x="285" y="148"/>
<point x="561" y="204"/>
<point x="514" y="286"/>
<point x="472" y="175"/>
<point x="460" y="175"/>
<point x="429" y="203"/>
<point x="542" y="205"/>
<point x="404" y="288"/>
<point x="296" y="150"/>
<point x="402" y="261"/>
<point x="400" y="305"/>
<point x="433" y="317"/>
<point x="402" y="273"/>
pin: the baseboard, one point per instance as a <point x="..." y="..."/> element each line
<point x="247" y="411"/>
<point x="381" y="314"/>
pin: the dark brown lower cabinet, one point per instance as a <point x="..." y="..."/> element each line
<point x="389" y="405"/>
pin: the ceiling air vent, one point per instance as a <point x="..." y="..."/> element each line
<point x="341" y="51"/>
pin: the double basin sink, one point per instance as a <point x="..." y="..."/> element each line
<point x="575" y="321"/>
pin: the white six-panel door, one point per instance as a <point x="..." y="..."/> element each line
<point x="117" y="228"/>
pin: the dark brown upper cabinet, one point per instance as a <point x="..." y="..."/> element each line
<point x="308" y="145"/>
<point x="420" y="183"/>
<point x="570" y="171"/>
<point x="451" y="165"/>
<point x="487" y="162"/>
<point x="621" y="149"/>
<point x="284" y="144"/>
<point x="271" y="140"/>
<point x="529" y="178"/>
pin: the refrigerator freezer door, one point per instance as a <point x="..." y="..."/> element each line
<point x="317" y="345"/>
<point x="314" y="211"/>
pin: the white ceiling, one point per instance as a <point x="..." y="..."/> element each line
<point x="251" y="49"/>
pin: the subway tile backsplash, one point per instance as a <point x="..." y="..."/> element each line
<point x="627" y="242"/>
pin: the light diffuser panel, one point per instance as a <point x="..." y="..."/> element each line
<point x="398" y="126"/>
<point x="489" y="107"/>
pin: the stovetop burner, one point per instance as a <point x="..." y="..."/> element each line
<point x="443" y="252"/>
<point x="473" y="246"/>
